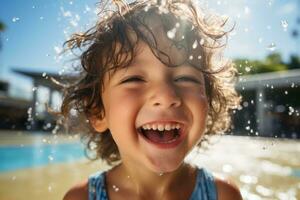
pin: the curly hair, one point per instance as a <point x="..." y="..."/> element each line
<point x="111" y="45"/>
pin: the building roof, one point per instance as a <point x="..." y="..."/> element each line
<point x="47" y="79"/>
<point x="276" y="79"/>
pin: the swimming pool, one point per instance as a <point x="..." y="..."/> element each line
<point x="14" y="157"/>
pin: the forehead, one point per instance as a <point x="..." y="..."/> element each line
<point x="172" y="38"/>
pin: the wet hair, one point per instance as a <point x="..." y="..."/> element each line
<point x="112" y="44"/>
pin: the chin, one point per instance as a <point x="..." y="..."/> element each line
<point x="165" y="165"/>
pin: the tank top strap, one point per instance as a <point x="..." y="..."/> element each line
<point x="96" y="184"/>
<point x="205" y="188"/>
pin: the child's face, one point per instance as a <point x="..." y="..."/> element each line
<point x="151" y="95"/>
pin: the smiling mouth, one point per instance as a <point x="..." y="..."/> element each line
<point x="161" y="137"/>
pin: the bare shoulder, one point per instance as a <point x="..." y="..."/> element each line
<point x="227" y="190"/>
<point x="77" y="192"/>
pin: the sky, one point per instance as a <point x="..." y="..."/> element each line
<point x="36" y="29"/>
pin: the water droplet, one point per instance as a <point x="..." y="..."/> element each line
<point x="50" y="158"/>
<point x="116" y="189"/>
<point x="284" y="25"/>
<point x="87" y="8"/>
<point x="34" y="89"/>
<point x="245" y="104"/>
<point x="191" y="57"/>
<point x="286" y="92"/>
<point x="15" y="19"/>
<point x="248" y="69"/>
<point x="291" y="110"/>
<point x="195" y="44"/>
<point x="44" y="74"/>
<point x="270" y="2"/>
<point x="41" y="18"/>
<point x="271" y="47"/>
<point x="171" y="33"/>
<point x="48" y="125"/>
<point x="292" y="85"/>
<point x="201" y="41"/>
<point x="246" y="10"/>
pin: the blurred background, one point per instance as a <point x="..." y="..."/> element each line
<point x="262" y="149"/>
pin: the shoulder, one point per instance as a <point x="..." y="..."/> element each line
<point x="227" y="190"/>
<point x="78" y="192"/>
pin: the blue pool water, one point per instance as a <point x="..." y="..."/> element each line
<point x="27" y="156"/>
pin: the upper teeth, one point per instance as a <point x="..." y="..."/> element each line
<point x="161" y="127"/>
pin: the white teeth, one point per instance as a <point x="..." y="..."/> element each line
<point x="161" y="127"/>
<point x="168" y="127"/>
<point x="154" y="126"/>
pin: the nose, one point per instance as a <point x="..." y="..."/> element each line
<point x="165" y="96"/>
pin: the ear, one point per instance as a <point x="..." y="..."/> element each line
<point x="100" y="125"/>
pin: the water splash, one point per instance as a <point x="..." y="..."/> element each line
<point x="115" y="188"/>
<point x="284" y="25"/>
<point x="271" y="47"/>
<point x="195" y="44"/>
<point x="15" y="19"/>
<point x="171" y="33"/>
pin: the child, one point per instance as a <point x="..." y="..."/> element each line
<point x="151" y="90"/>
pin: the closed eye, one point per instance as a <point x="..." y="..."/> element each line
<point x="132" y="79"/>
<point x="188" y="79"/>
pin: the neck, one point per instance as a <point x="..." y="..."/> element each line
<point x="144" y="182"/>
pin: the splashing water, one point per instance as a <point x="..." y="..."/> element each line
<point x="202" y="41"/>
<point x="271" y="47"/>
<point x="171" y="33"/>
<point x="284" y="25"/>
<point x="248" y="69"/>
<point x="195" y="44"/>
<point x="115" y="188"/>
<point x="15" y="19"/>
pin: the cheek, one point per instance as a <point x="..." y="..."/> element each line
<point x="122" y="108"/>
<point x="198" y="106"/>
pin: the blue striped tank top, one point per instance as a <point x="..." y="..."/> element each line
<point x="205" y="188"/>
